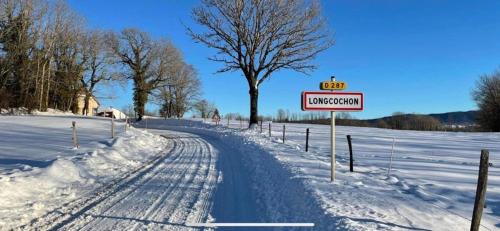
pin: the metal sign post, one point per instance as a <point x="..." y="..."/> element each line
<point x="332" y="101"/>
<point x="332" y="143"/>
<point x="332" y="135"/>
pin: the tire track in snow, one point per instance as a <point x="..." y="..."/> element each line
<point x="70" y="210"/>
<point x="176" y="175"/>
<point x="177" y="186"/>
<point x="190" y="190"/>
<point x="176" y="193"/>
<point x="111" y="207"/>
<point x="202" y="204"/>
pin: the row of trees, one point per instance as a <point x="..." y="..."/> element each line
<point x="45" y="55"/>
<point x="48" y="59"/>
<point x="398" y="120"/>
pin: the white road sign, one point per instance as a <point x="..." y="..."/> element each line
<point x="332" y="101"/>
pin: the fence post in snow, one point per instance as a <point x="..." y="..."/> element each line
<point x="261" y="126"/>
<point x="112" y="127"/>
<point x="482" y="182"/>
<point x="228" y="121"/>
<point x="283" y="133"/>
<point x="126" y="124"/>
<point x="307" y="139"/>
<point x="241" y="124"/>
<point x="75" y="139"/>
<point x="392" y="153"/>
<point x="269" y="129"/>
<point x="351" y="166"/>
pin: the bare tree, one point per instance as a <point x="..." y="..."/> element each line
<point x="487" y="97"/>
<point x="97" y="67"/>
<point x="137" y="51"/>
<point x="260" y="37"/>
<point x="281" y="115"/>
<point x="204" y="108"/>
<point x="180" y="92"/>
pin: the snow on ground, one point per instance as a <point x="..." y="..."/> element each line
<point x="40" y="170"/>
<point x="253" y="185"/>
<point x="431" y="186"/>
<point x="221" y="174"/>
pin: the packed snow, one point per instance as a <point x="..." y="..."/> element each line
<point x="432" y="184"/>
<point x="40" y="170"/>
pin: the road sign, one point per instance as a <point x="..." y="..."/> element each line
<point x="332" y="85"/>
<point x="332" y="101"/>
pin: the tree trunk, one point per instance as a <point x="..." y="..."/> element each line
<point x="41" y="87"/>
<point x="254" y="98"/>
<point x="140" y="97"/>
<point x="48" y="90"/>
<point x="140" y="105"/>
<point x="86" y="104"/>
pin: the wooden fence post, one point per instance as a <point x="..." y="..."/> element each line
<point x="351" y="166"/>
<point x="126" y="124"/>
<point x="241" y="124"/>
<point x="307" y="139"/>
<point x="283" y="133"/>
<point x="261" y="126"/>
<point x="392" y="154"/>
<point x="482" y="182"/>
<point x="75" y="139"/>
<point x="112" y="127"/>
<point x="269" y="129"/>
<point x="228" y="121"/>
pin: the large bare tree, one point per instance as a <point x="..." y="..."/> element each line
<point x="146" y="59"/>
<point x="487" y="96"/>
<point x="98" y="67"/>
<point x="180" y="92"/>
<point x="260" y="37"/>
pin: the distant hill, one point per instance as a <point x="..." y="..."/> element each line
<point x="449" y="121"/>
<point x="459" y="117"/>
<point x="455" y="118"/>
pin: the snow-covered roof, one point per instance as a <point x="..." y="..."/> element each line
<point x="118" y="114"/>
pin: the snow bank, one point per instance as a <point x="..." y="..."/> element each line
<point x="29" y="190"/>
<point x="25" y="111"/>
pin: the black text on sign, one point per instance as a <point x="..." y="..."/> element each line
<point x="332" y="101"/>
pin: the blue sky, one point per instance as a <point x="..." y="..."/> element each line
<point x="420" y="56"/>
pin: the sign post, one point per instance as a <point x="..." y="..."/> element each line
<point x="332" y="147"/>
<point x="332" y="101"/>
<point x="332" y="143"/>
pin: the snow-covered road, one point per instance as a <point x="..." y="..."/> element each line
<point x="167" y="193"/>
<point x="199" y="178"/>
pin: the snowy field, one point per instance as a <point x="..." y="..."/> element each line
<point x="431" y="186"/>
<point x="40" y="170"/>
<point x="205" y="173"/>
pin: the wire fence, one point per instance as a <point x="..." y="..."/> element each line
<point x="371" y="147"/>
<point x="424" y="158"/>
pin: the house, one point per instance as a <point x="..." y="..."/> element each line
<point x="93" y="105"/>
<point x="112" y="112"/>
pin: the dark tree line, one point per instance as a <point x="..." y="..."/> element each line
<point x="42" y="57"/>
<point x="48" y="59"/>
